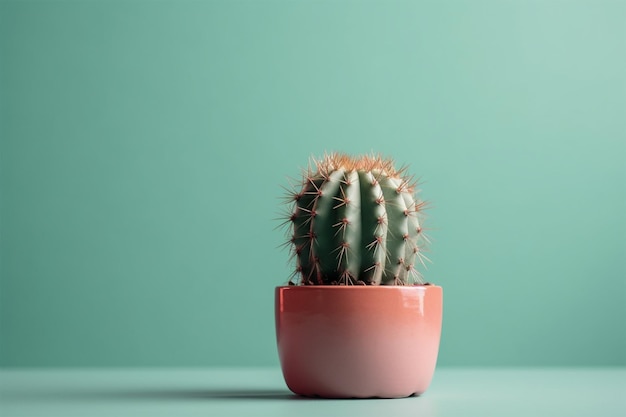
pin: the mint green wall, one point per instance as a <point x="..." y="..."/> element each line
<point x="143" y="145"/>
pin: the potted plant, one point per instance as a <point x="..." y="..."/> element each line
<point x="356" y="319"/>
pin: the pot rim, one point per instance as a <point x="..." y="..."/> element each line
<point x="357" y="287"/>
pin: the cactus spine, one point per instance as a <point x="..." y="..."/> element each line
<point x="355" y="221"/>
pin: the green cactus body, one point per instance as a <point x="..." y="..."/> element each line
<point x="356" y="221"/>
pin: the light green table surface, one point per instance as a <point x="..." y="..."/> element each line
<point x="262" y="392"/>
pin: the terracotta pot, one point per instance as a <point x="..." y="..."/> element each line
<point x="358" y="341"/>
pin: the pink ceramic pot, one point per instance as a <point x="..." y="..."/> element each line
<point x="358" y="341"/>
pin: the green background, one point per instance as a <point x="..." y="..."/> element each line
<point x="143" y="146"/>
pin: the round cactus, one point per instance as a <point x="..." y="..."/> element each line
<point x="355" y="221"/>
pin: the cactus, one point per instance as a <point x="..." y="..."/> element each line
<point x="355" y="221"/>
